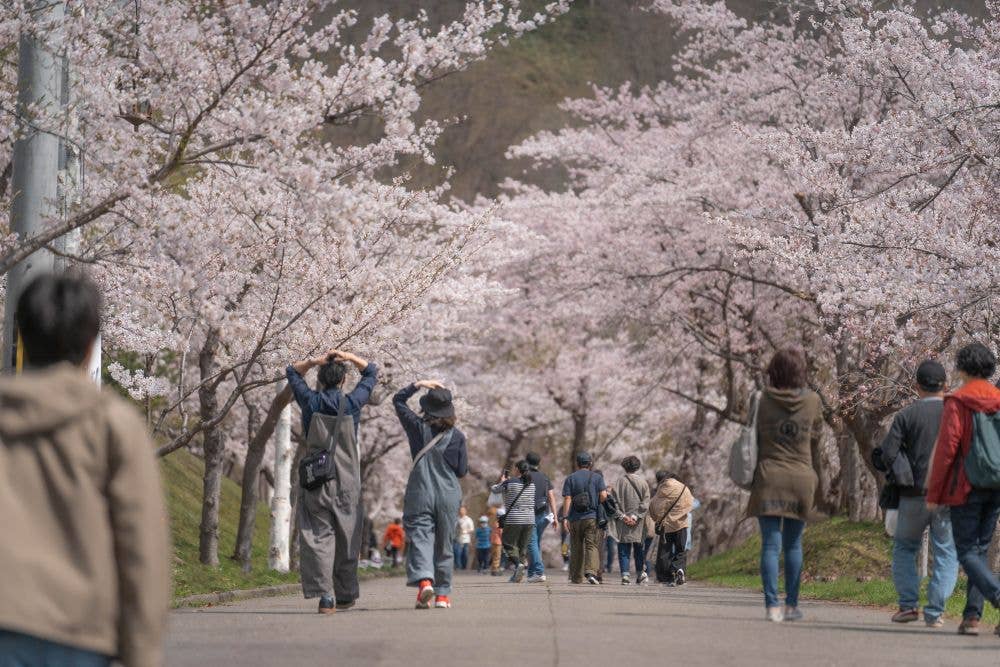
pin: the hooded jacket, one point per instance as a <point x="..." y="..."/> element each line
<point x="789" y="426"/>
<point x="83" y="557"/>
<point x="947" y="483"/>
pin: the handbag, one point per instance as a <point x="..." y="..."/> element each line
<point x="743" y="452"/>
<point x="319" y="467"/>
<point x="502" y="518"/>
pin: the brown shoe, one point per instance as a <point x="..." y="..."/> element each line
<point x="969" y="626"/>
<point x="327" y="606"/>
<point x="906" y="616"/>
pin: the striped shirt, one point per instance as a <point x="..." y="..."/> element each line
<point x="521" y="513"/>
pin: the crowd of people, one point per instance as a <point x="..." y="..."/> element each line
<point x="82" y="487"/>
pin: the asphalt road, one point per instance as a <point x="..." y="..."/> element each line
<point x="496" y="623"/>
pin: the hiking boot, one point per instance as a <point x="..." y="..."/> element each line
<point x="536" y="579"/>
<point x="934" y="622"/>
<point x="345" y="604"/>
<point x="592" y="579"/>
<point x="626" y="580"/>
<point x="792" y="614"/>
<point x="327" y="605"/>
<point x="969" y="626"/>
<point x="775" y="615"/>
<point x="518" y="573"/>
<point x="679" y="578"/>
<point x="425" y="593"/>
<point x="442" y="602"/>
<point x="906" y="616"/>
<point x="643" y="578"/>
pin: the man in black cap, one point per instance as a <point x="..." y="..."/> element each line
<point x="545" y="507"/>
<point x="583" y="491"/>
<point x="905" y="456"/>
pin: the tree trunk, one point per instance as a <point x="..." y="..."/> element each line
<point x="281" y="502"/>
<point x="859" y="491"/>
<point x="251" y="484"/>
<point x="208" y="543"/>
<point x="994" y="553"/>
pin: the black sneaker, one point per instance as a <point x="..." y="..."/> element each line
<point x="345" y="605"/>
<point x="679" y="578"/>
<point x="327" y="605"/>
<point x="592" y="580"/>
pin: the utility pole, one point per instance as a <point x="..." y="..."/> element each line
<point x="36" y="159"/>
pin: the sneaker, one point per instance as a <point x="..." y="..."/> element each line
<point x="536" y="579"/>
<point x="997" y="630"/>
<point x="906" y="616"/>
<point x="626" y="580"/>
<point x="345" y="605"/>
<point x="442" y="602"/>
<point x="679" y="578"/>
<point x="643" y="578"/>
<point x="425" y="594"/>
<point x="565" y="567"/>
<point x="792" y="614"/>
<point x="775" y="615"/>
<point x="518" y="573"/>
<point x="969" y="626"/>
<point x="496" y="573"/>
<point x="934" y="622"/>
<point x="592" y="580"/>
<point x="327" y="605"/>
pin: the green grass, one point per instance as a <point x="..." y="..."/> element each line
<point x="843" y="561"/>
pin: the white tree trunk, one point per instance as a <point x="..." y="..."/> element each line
<point x="281" y="505"/>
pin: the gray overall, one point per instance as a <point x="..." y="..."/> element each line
<point x="430" y="510"/>
<point x="330" y="516"/>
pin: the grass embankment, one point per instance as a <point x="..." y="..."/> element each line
<point x="843" y="561"/>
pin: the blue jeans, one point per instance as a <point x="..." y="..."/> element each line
<point x="780" y="534"/>
<point x="914" y="517"/>
<point x="625" y="550"/>
<point x="972" y="524"/>
<point x="17" y="650"/>
<point x="609" y="553"/>
<point x="536" y="566"/>
<point x="461" y="556"/>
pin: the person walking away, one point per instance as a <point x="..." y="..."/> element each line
<point x="433" y="494"/>
<point x="669" y="509"/>
<point x="330" y="515"/>
<point x="789" y="428"/>
<point x="519" y="520"/>
<point x="974" y="509"/>
<point x="84" y="572"/>
<point x="905" y="455"/>
<point x="545" y="508"/>
<point x="393" y="540"/>
<point x="483" y="545"/>
<point x="629" y="527"/>
<point x="465" y="528"/>
<point x="583" y="491"/>
<point x="496" y="545"/>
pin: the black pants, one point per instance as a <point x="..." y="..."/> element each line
<point x="671" y="555"/>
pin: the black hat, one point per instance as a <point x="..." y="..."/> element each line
<point x="931" y="376"/>
<point x="437" y="403"/>
<point x="583" y="459"/>
<point x="533" y="459"/>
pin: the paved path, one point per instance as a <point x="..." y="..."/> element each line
<point x="498" y="624"/>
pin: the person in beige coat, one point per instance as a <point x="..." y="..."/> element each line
<point x="629" y="527"/>
<point x="84" y="573"/>
<point x="669" y="509"/>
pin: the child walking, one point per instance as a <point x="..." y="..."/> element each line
<point x="433" y="494"/>
<point x="483" y="545"/>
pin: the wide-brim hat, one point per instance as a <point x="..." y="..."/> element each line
<point x="437" y="403"/>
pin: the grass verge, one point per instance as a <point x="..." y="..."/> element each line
<point x="843" y="561"/>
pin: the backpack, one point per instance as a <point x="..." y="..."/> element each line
<point x="743" y="452"/>
<point x="982" y="463"/>
<point x="582" y="501"/>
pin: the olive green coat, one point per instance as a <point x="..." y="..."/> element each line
<point x="789" y="426"/>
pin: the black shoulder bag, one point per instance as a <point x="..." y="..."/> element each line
<point x="659" y="524"/>
<point x="318" y="467"/>
<point x="582" y="502"/>
<point x="502" y="519"/>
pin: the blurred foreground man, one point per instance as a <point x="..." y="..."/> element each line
<point x="84" y="548"/>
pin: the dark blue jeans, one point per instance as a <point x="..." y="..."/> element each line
<point x="609" y="553"/>
<point x="625" y="550"/>
<point x="17" y="650"/>
<point x="461" y="556"/>
<point x="973" y="524"/>
<point x="780" y="534"/>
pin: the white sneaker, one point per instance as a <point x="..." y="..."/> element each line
<point x="792" y="614"/>
<point x="626" y="580"/>
<point x="643" y="578"/>
<point x="536" y="579"/>
<point x="775" y="615"/>
<point x="565" y="567"/>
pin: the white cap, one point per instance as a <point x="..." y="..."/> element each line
<point x="484" y="519"/>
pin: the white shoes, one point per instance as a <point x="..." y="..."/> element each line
<point x="775" y="614"/>
<point x="536" y="579"/>
<point x="792" y="614"/>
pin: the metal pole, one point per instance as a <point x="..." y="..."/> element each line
<point x="35" y="177"/>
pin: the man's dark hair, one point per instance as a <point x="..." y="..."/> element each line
<point x="58" y="317"/>
<point x="662" y="475"/>
<point x="331" y="374"/>
<point x="976" y="360"/>
<point x="534" y="459"/>
<point x="787" y="369"/>
<point x="631" y="464"/>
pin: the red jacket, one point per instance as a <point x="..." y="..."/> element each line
<point x="947" y="483"/>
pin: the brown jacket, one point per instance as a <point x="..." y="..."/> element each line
<point x="84" y="550"/>
<point x="789" y="427"/>
<point x="671" y="493"/>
